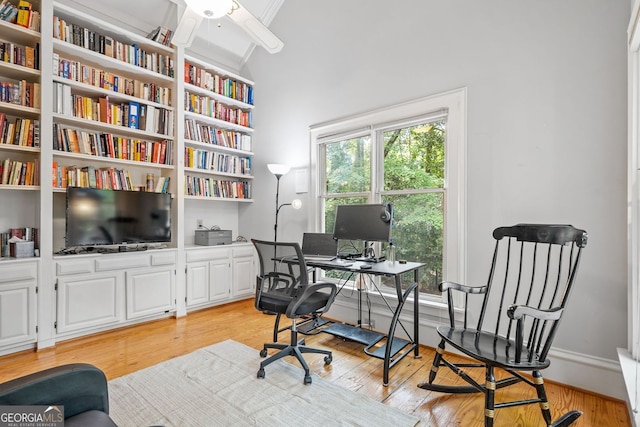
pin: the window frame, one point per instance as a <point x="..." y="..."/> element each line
<point x="453" y="104"/>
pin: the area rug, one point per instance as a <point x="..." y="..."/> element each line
<point x="217" y="386"/>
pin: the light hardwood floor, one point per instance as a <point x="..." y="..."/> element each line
<point x="126" y="350"/>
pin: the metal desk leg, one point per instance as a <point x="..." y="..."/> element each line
<point x="392" y="329"/>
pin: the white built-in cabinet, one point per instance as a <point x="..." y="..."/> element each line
<point x="18" y="282"/>
<point x="98" y="292"/>
<point x="54" y="297"/>
<point x="218" y="274"/>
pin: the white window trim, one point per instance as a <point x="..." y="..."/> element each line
<point x="455" y="102"/>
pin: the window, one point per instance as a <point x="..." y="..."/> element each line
<point x="410" y="155"/>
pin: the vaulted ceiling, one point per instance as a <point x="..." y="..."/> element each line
<point x="218" y="38"/>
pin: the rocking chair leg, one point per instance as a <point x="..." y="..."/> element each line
<point x="436" y="362"/>
<point x="489" y="407"/>
<point x="567" y="419"/>
<point x="542" y="395"/>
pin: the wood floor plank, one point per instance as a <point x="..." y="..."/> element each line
<point x="122" y="351"/>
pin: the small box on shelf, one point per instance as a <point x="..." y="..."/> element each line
<point x="23" y="249"/>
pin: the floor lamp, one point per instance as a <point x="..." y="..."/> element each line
<point x="279" y="171"/>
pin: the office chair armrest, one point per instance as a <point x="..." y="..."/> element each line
<point x="445" y="286"/>
<point x="517" y="312"/>
<point x="307" y="291"/>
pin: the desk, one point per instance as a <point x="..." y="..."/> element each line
<point x="393" y="345"/>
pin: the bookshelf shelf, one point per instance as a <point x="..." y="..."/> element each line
<point x="19" y="148"/>
<point x="99" y="60"/>
<point x="218" y="148"/>
<point x="218" y="199"/>
<point x="107" y="127"/>
<point x="217" y="122"/>
<point x="217" y="173"/>
<point x="218" y="97"/>
<point x="19" y="187"/>
<point x="110" y="160"/>
<point x="19" y="110"/>
<point x="18" y="72"/>
<point x="18" y="34"/>
<point x="89" y="90"/>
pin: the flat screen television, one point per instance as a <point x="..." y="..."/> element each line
<point x="369" y="223"/>
<point x="115" y="217"/>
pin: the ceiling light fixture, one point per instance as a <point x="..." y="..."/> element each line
<point x="212" y="8"/>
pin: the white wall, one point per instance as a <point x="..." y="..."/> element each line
<point x="547" y="120"/>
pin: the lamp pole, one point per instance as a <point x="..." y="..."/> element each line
<point x="279" y="171"/>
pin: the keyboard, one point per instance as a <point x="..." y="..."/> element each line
<point x="319" y="258"/>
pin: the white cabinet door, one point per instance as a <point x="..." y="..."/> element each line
<point x="197" y="283"/>
<point x="219" y="280"/>
<point x="18" y="303"/>
<point x="149" y="292"/>
<point x="243" y="276"/>
<point x="18" y="313"/>
<point x="87" y="301"/>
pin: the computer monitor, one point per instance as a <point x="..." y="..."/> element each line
<point x="369" y="223"/>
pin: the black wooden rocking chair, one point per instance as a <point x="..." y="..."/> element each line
<point x="518" y="313"/>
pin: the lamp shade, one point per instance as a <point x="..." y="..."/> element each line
<point x="211" y="8"/>
<point x="278" y="170"/>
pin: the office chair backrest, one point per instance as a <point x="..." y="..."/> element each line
<point x="282" y="267"/>
<point x="532" y="265"/>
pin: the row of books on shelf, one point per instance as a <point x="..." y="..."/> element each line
<point x="89" y="75"/>
<point x="16" y="172"/>
<point x="161" y="35"/>
<point x="20" y="131"/>
<point x="21" y="14"/>
<point x="211" y="108"/>
<point x="208" y="134"/>
<point x="218" y="162"/>
<point x="113" y="48"/>
<point x="22" y="93"/>
<point x="30" y="234"/>
<point x="222" y="85"/>
<point x="25" y="56"/>
<point x="102" y="144"/>
<point x="207" y="187"/>
<point x="109" y="178"/>
<point x="128" y="114"/>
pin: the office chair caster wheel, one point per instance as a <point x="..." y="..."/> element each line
<point x="307" y="379"/>
<point x="328" y="360"/>
<point x="261" y="373"/>
<point x="263" y="352"/>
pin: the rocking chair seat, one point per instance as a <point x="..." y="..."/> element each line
<point x="490" y="349"/>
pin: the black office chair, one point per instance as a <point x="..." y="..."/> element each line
<point x="283" y="287"/>
<point x="518" y="313"/>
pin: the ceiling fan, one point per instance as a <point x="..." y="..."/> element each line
<point x="197" y="10"/>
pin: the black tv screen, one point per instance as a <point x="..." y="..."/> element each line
<point x="108" y="217"/>
<point x="371" y="223"/>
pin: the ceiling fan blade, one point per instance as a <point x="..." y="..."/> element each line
<point x="187" y="28"/>
<point x="256" y="29"/>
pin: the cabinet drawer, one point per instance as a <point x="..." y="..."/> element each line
<point x="121" y="262"/>
<point x="17" y="272"/>
<point x="164" y="258"/>
<point x="208" y="254"/>
<point x="74" y="267"/>
<point x="243" y="251"/>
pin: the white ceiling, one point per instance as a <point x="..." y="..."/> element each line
<point x="228" y="43"/>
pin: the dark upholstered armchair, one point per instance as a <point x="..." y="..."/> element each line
<point x="79" y="387"/>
